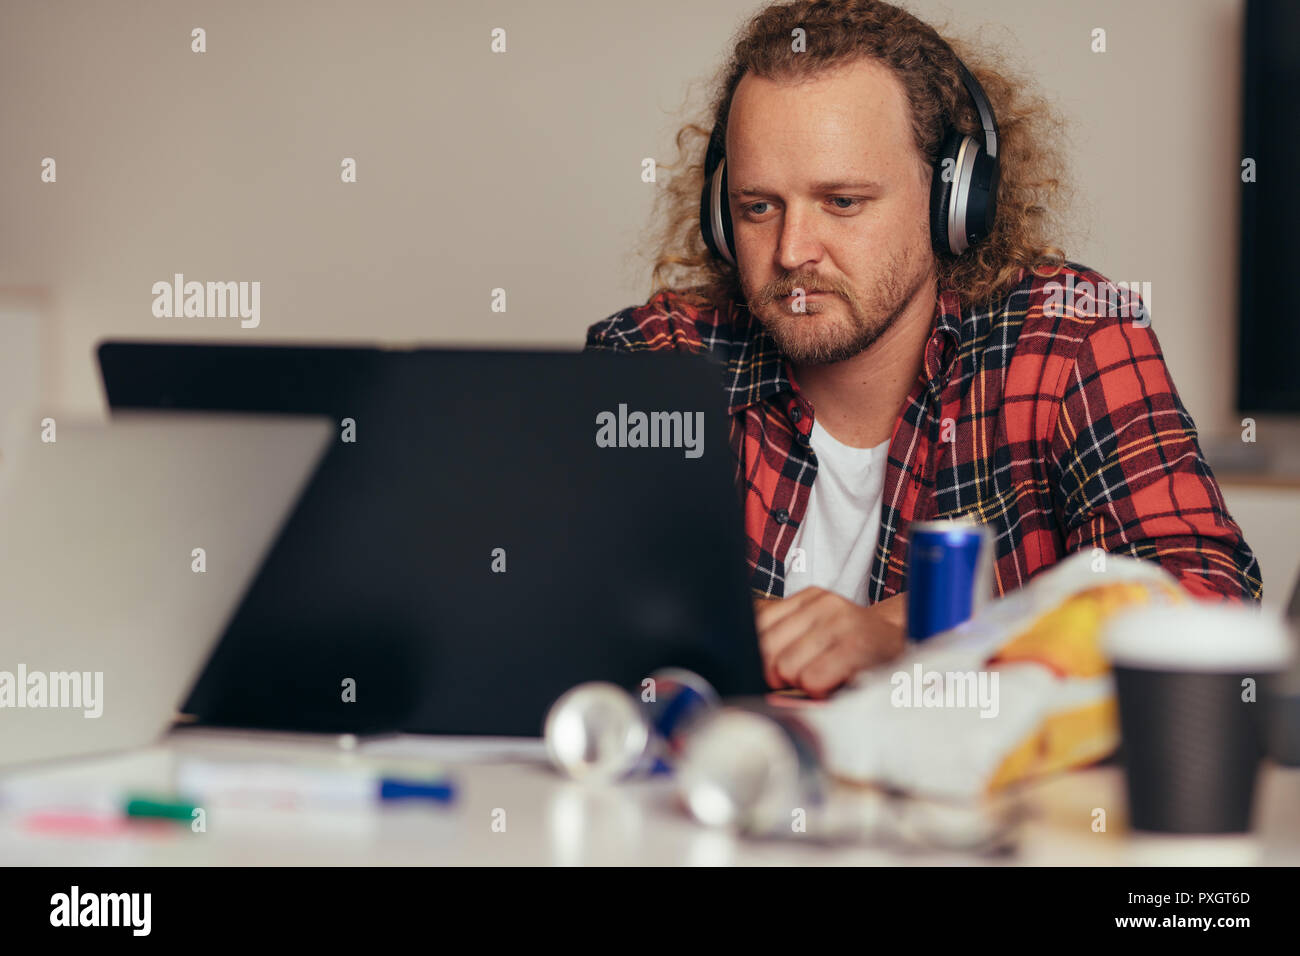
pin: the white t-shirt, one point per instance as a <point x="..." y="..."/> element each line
<point x="834" y="546"/>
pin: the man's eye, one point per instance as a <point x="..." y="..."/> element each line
<point x="841" y="202"/>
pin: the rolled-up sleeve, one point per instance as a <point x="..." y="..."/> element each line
<point x="1131" y="478"/>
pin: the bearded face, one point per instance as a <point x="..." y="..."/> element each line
<point x="830" y="208"/>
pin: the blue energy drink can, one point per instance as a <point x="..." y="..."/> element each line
<point x="673" y="700"/>
<point x="949" y="575"/>
<point x="599" y="732"/>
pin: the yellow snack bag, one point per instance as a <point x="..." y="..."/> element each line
<point x="1068" y="637"/>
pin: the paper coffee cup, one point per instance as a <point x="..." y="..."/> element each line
<point x="1190" y="681"/>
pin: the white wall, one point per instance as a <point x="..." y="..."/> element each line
<point x="519" y="170"/>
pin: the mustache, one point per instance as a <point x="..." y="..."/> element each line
<point x="783" y="288"/>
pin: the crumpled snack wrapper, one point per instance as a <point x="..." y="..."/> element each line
<point x="1020" y="691"/>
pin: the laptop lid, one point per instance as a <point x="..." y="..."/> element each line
<point x="482" y="543"/>
<point x="109" y="612"/>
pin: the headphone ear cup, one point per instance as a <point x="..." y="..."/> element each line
<point x="706" y="213"/>
<point x="719" y="245"/>
<point x="729" y="242"/>
<point x="941" y="190"/>
<point x="982" y="206"/>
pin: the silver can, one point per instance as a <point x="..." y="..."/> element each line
<point x="751" y="771"/>
<point x="596" y="732"/>
<point x="761" y="775"/>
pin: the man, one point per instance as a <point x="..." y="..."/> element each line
<point x="879" y="376"/>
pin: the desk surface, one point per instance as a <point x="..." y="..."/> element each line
<point x="549" y="820"/>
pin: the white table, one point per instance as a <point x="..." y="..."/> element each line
<point x="549" y="820"/>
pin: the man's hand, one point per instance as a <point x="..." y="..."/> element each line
<point x="817" y="640"/>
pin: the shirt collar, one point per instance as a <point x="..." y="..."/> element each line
<point x="942" y="346"/>
<point x="758" y="370"/>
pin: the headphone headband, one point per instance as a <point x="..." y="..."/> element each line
<point x="982" y="106"/>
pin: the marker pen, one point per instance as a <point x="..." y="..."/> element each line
<point x="276" y="786"/>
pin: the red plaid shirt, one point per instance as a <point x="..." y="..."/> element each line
<point x="1060" y="430"/>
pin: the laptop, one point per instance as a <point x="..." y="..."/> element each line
<point x="485" y="533"/>
<point x="109" y="610"/>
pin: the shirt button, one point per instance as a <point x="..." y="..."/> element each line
<point x="796" y="414"/>
<point x="782" y="516"/>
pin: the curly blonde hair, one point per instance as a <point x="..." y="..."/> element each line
<point x="837" y="33"/>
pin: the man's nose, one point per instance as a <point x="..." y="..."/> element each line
<point x="800" y="245"/>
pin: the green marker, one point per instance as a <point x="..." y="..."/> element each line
<point x="141" y="806"/>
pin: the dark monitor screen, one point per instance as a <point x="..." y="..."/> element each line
<point x="392" y="570"/>
<point x="1268" y="331"/>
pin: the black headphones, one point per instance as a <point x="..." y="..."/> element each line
<point x="963" y="201"/>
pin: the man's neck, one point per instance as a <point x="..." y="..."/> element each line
<point x="858" y="400"/>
